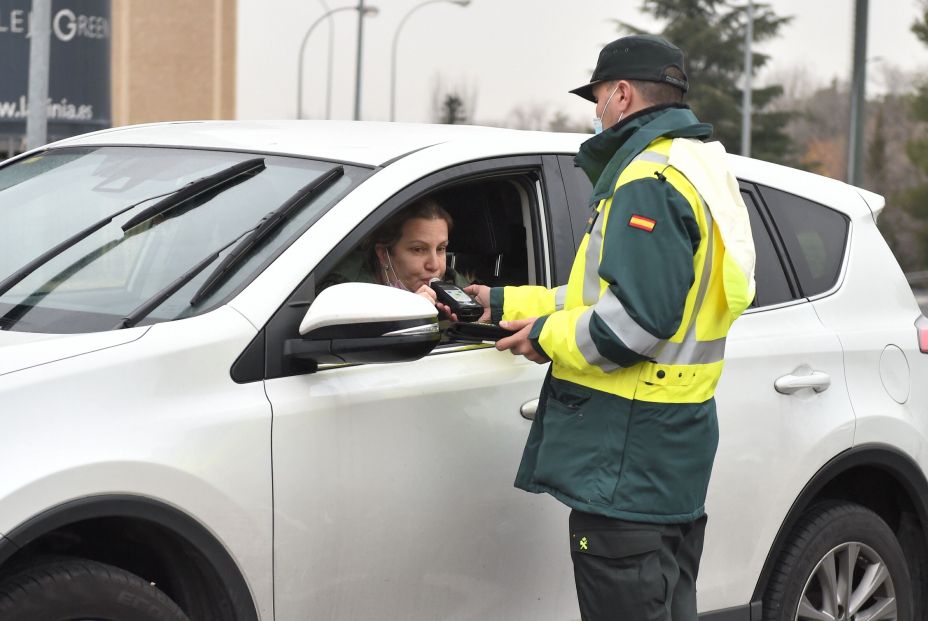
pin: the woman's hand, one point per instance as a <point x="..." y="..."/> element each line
<point x="481" y="293"/>
<point x="429" y="294"/>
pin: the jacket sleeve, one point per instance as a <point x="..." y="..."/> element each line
<point x="649" y="241"/>
<point x="511" y="303"/>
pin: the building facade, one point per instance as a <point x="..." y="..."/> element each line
<point x="173" y="60"/>
<point x="164" y="60"/>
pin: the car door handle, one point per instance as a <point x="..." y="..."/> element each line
<point x="803" y="377"/>
<point x="528" y="409"/>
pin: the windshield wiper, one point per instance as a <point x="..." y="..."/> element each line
<point x="207" y="185"/>
<point x="246" y="241"/>
<point x="268" y="224"/>
<point x="249" y="238"/>
<point x="160" y="297"/>
<point x="173" y="199"/>
<point x="16" y="277"/>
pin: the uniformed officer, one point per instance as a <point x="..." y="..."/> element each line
<point x="626" y="431"/>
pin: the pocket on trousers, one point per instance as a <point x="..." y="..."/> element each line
<point x="580" y="453"/>
<point x="619" y="570"/>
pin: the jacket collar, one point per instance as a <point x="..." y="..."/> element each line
<point x="604" y="156"/>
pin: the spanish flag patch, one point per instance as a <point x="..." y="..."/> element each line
<point x="640" y="222"/>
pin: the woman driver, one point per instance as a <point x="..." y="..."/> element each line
<point x="406" y="252"/>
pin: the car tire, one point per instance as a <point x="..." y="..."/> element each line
<point x="810" y="578"/>
<point x="64" y="589"/>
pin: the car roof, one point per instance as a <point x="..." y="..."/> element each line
<point x="372" y="143"/>
<point x="359" y="142"/>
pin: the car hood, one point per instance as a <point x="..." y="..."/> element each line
<point x="22" y="350"/>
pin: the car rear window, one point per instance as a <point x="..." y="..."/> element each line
<point x="814" y="235"/>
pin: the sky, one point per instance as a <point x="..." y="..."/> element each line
<point x="508" y="54"/>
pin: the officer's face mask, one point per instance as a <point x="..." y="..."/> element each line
<point x="598" y="121"/>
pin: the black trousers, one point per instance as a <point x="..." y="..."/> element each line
<point x="629" y="571"/>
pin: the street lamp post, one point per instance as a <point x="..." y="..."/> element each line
<point x="746" y="95"/>
<point x="396" y="36"/>
<point x="855" y="143"/>
<point x="328" y="64"/>
<point x="369" y="10"/>
<point x="357" y="71"/>
<point x="39" y="52"/>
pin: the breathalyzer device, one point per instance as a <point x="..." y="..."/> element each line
<point x="457" y="300"/>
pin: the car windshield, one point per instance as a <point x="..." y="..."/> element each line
<point x="48" y="199"/>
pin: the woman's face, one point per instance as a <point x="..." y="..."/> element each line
<point x="419" y="255"/>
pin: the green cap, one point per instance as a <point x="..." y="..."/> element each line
<point x="636" y="57"/>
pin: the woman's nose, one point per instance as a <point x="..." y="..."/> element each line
<point x="431" y="261"/>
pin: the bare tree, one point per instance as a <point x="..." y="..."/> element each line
<point x="453" y="104"/>
<point x="532" y="116"/>
<point x="560" y="122"/>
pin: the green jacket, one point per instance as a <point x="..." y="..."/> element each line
<point x="621" y="429"/>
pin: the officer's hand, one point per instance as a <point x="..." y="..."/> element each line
<point x="519" y="344"/>
<point x="481" y="293"/>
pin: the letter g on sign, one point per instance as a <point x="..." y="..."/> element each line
<point x="65" y="24"/>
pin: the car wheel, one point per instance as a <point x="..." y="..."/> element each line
<point x="841" y="562"/>
<point x="76" y="589"/>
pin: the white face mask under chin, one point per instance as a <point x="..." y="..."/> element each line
<point x="598" y="121"/>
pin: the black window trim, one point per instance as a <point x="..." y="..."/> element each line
<point x="561" y="237"/>
<point x="779" y="248"/>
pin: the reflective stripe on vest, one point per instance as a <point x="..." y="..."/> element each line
<point x="591" y="285"/>
<point x="609" y="309"/>
<point x="690" y="350"/>
<point x="591" y="281"/>
<point x="651" y="156"/>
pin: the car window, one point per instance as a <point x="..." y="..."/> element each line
<point x="492" y="241"/>
<point x="96" y="281"/>
<point x="814" y="235"/>
<point x="512" y="184"/>
<point x="769" y="275"/>
<point x="489" y="240"/>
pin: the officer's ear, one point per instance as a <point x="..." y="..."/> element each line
<point x="626" y="93"/>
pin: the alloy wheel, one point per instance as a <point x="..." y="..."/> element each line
<point x="850" y="583"/>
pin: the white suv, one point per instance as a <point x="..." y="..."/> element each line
<point x="175" y="447"/>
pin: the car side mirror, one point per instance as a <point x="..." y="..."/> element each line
<point x="365" y="323"/>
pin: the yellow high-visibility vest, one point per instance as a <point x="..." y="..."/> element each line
<point x="686" y="367"/>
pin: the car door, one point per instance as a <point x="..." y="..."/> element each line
<point x="393" y="483"/>
<point x="784" y="411"/>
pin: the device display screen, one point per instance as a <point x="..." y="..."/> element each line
<point x="460" y="296"/>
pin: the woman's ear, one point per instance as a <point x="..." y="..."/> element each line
<point x="381" y="251"/>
